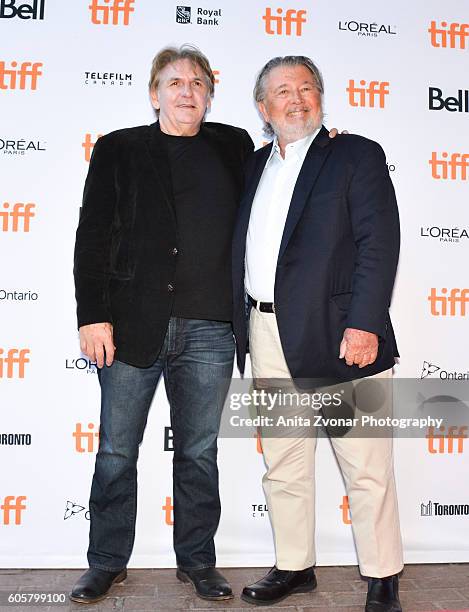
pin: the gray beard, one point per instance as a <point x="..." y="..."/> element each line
<point x="293" y="133"/>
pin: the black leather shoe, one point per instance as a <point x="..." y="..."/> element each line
<point x="208" y="583"/>
<point x="94" y="585"/>
<point x="383" y="595"/>
<point x="279" y="584"/>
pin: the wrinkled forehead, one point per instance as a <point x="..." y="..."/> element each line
<point x="289" y="75"/>
<point x="183" y="68"/>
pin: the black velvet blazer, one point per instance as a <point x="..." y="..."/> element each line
<point x="127" y="240"/>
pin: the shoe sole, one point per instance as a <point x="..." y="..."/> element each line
<point x="185" y="578"/>
<point x="119" y="579"/>
<point x="295" y="591"/>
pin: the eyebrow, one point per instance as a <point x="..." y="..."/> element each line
<point x="287" y="85"/>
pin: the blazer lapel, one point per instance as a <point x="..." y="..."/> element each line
<point x="314" y="160"/>
<point x="160" y="161"/>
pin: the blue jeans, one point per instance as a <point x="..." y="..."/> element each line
<point x="196" y="361"/>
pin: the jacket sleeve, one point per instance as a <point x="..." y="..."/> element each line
<point x="375" y="225"/>
<point x="93" y="238"/>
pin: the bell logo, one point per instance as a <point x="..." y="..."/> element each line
<point x="14" y="504"/>
<point x="15" y="357"/>
<point x="454" y="35"/>
<point x="8" y="10"/>
<point x="89" y="436"/>
<point x="101" y="11"/>
<point x="24" y="77"/>
<point x="453" y="169"/>
<point x="456" y="300"/>
<point x="168" y="512"/>
<point x="446" y="442"/>
<point x="345" y="507"/>
<point x="274" y="23"/>
<point x="168" y="439"/>
<point x="18" y="218"/>
<point x="88" y="145"/>
<point x="367" y="95"/>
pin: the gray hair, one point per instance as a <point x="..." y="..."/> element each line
<point x="288" y="60"/>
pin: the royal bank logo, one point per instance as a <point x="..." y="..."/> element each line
<point x="203" y="16"/>
<point x="21" y="147"/>
<point x="367" y="30"/>
<point x="446" y="235"/>
<point x="183" y="14"/>
<point x="107" y="79"/>
<point x="34" y="9"/>
<point x="432" y="508"/>
<point x="432" y="370"/>
<point x="72" y="509"/>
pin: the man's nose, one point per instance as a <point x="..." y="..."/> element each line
<point x="186" y="90"/>
<point x="297" y="97"/>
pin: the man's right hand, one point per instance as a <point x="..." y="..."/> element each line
<point x="95" y="340"/>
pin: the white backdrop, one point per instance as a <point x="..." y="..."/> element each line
<point x="50" y="393"/>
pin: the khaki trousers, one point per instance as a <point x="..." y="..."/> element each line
<point x="289" y="487"/>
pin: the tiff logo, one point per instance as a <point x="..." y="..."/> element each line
<point x="81" y="436"/>
<point x="15" y="357"/>
<point x="17" y="219"/>
<point x="274" y="24"/>
<point x="453" y="169"/>
<point x="101" y="11"/>
<point x="168" y="511"/>
<point x="456" y="300"/>
<point x="88" y="145"/>
<point x="453" y="36"/>
<point x="345" y="507"/>
<point x="446" y="442"/>
<point x="28" y="73"/>
<point x="367" y="95"/>
<point x="8" y="9"/>
<point x="11" y="503"/>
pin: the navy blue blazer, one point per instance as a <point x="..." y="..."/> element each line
<point x="337" y="260"/>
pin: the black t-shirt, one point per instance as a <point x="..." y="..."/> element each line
<point x="205" y="202"/>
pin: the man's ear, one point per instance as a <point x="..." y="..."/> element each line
<point x="263" y="111"/>
<point x="154" y="99"/>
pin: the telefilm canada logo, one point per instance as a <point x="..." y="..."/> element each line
<point x="446" y="235"/>
<point x="433" y="508"/>
<point x="367" y="30"/>
<point x="107" y="79"/>
<point x="72" y="510"/>
<point x="198" y="15"/>
<point x="22" y="146"/>
<point x="432" y="370"/>
<point x="34" y="9"/>
<point x="259" y="510"/>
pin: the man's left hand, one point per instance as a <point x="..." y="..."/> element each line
<point x="358" y="347"/>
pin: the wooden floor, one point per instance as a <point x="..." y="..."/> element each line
<point x="423" y="587"/>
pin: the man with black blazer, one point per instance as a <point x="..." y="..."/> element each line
<point x="315" y="254"/>
<point x="154" y="297"/>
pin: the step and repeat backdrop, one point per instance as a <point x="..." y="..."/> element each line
<point x="72" y="71"/>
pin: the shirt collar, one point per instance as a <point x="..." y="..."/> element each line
<point x="298" y="148"/>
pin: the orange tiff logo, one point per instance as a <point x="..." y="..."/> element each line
<point x="453" y="169"/>
<point x="446" y="441"/>
<point x="15" y="361"/>
<point x="104" y="10"/>
<point x="345" y="507"/>
<point x="88" y="145"/>
<point x="168" y="511"/>
<point x="24" y="77"/>
<point x="16" y="219"/>
<point x="89" y="437"/>
<point x="11" y="503"/>
<point x="454" y="35"/>
<point x="366" y="96"/>
<point x="451" y="305"/>
<point x="274" y="24"/>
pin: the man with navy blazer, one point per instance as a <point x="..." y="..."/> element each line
<point x="315" y="254"/>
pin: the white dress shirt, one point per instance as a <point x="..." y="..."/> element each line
<point x="268" y="215"/>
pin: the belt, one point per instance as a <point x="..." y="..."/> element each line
<point x="262" y="306"/>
